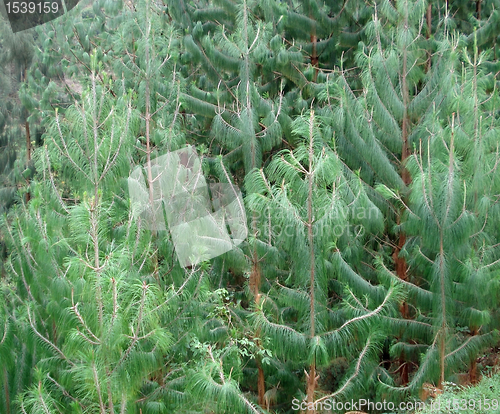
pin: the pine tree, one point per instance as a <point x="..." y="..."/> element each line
<point x="308" y="200"/>
<point x="16" y="53"/>
<point x="451" y="254"/>
<point x="82" y="177"/>
<point x="244" y="123"/>
<point x="477" y="19"/>
<point x="98" y="324"/>
<point x="364" y="140"/>
<point x="403" y="100"/>
<point x="375" y="126"/>
<point x="15" y="171"/>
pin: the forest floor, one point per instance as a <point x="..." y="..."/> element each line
<point x="482" y="398"/>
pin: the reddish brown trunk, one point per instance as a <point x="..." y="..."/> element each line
<point x="473" y="373"/>
<point x="442" y="353"/>
<point x="314" y="55"/>
<point x="401" y="268"/>
<point x="312" y="380"/>
<point x="254" y="281"/>
<point x="405" y="371"/>
<point x="261" y="384"/>
<point x="400" y="264"/>
<point x="473" y="377"/>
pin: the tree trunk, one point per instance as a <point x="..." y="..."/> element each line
<point x="312" y="378"/>
<point x="404" y="375"/>
<point x="314" y="54"/>
<point x="442" y="339"/>
<point x="254" y="283"/>
<point x="473" y="377"/>
<point x="28" y="144"/>
<point x="261" y="384"/>
<point x="401" y="267"/>
<point x="28" y="156"/>
<point x="400" y="264"/>
<point x="429" y="33"/>
<point x="6" y="388"/>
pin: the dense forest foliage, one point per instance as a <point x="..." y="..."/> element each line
<point x="365" y="140"/>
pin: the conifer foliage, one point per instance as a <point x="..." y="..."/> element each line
<point x="308" y="201"/>
<point x="364" y="139"/>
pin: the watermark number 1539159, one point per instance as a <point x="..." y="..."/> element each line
<point x="26" y="14"/>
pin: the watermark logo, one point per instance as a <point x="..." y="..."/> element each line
<point x="25" y="14"/>
<point x="204" y="220"/>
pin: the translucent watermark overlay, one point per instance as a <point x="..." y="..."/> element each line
<point x="204" y="220"/>
<point x="334" y="406"/>
<point x="25" y="14"/>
